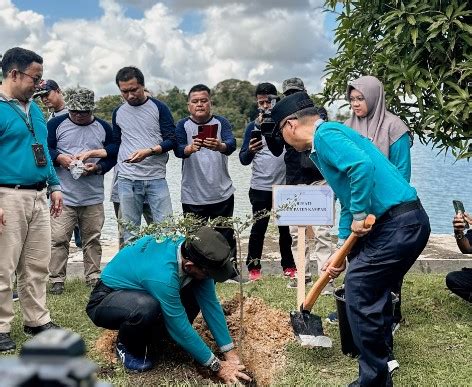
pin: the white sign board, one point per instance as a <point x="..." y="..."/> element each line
<point x="309" y="205"/>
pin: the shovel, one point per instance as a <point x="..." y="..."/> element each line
<point x="308" y="327"/>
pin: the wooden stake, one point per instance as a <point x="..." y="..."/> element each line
<point x="301" y="266"/>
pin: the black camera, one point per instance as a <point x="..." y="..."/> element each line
<point x="53" y="358"/>
<point x="267" y="123"/>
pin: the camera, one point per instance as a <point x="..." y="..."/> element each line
<point x="267" y="123"/>
<point x="53" y="358"/>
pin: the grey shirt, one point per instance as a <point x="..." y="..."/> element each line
<point x="72" y="139"/>
<point x="139" y="127"/>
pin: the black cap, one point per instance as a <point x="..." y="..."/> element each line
<point x="45" y="87"/>
<point x="210" y="250"/>
<point x="288" y="106"/>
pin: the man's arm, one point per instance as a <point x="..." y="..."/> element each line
<point x="462" y="240"/>
<point x="167" y="127"/>
<point x="245" y="155"/>
<point x="347" y="157"/>
<point x="227" y="137"/>
<point x="108" y="161"/>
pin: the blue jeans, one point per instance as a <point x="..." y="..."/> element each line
<point x="132" y="195"/>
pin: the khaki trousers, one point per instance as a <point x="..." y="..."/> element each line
<point x="90" y="220"/>
<point x="25" y="246"/>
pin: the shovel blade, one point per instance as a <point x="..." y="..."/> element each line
<point x="308" y="329"/>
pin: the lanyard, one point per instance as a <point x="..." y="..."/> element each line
<point x="28" y="122"/>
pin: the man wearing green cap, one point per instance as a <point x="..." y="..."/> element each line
<point x="365" y="183"/>
<point x="152" y="283"/>
<point x="80" y="147"/>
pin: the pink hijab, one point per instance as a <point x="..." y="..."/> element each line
<point x="380" y="126"/>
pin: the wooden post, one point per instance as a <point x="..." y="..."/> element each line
<point x="301" y="266"/>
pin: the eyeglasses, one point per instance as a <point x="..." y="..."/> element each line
<point x="36" y="80"/>
<point x="358" y="99"/>
<point x="289" y="118"/>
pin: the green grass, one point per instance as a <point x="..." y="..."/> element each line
<point x="435" y="349"/>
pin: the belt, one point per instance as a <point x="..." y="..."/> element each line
<point x="400" y="209"/>
<point x="38" y="186"/>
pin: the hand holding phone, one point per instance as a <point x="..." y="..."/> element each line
<point x="459" y="208"/>
<point x="255" y="144"/>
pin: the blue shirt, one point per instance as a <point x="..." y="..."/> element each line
<point x="153" y="267"/>
<point x="17" y="163"/>
<point x="399" y="155"/>
<point x="361" y="177"/>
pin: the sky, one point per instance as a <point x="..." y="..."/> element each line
<point x="174" y="42"/>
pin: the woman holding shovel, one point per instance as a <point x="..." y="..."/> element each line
<point x="365" y="183"/>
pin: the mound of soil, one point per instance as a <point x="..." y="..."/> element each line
<point x="266" y="332"/>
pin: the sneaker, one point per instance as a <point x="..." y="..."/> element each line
<point x="15" y="295"/>
<point x="236" y="280"/>
<point x="290" y="272"/>
<point x="131" y="362"/>
<point x="332" y="318"/>
<point x="57" y="288"/>
<point x="292" y="283"/>
<point x="328" y="290"/>
<point x="6" y="343"/>
<point x="393" y="365"/>
<point x="395" y="328"/>
<point x="255" y="275"/>
<point x="35" y="330"/>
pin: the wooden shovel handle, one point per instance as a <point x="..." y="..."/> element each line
<point x="336" y="261"/>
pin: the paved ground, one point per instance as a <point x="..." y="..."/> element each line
<point x="441" y="255"/>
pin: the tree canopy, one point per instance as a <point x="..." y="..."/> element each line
<point x="422" y="51"/>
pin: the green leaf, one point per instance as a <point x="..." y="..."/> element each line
<point x="411" y="20"/>
<point x="414" y="35"/>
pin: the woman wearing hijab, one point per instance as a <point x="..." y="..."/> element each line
<point x="371" y="119"/>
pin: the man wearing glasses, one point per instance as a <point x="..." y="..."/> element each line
<point x="26" y="172"/>
<point x="81" y="147"/>
<point x="365" y="183"/>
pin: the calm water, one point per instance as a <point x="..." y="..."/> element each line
<point x="438" y="180"/>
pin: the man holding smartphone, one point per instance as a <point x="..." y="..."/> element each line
<point x="267" y="170"/>
<point x="460" y="282"/>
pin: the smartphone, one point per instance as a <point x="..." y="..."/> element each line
<point x="257" y="134"/>
<point x="459" y="207"/>
<point x="39" y="155"/>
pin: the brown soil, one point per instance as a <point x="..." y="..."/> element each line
<point x="266" y="333"/>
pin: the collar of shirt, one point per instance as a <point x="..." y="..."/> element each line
<point x="184" y="277"/>
<point x="24" y="108"/>
<point x="317" y="123"/>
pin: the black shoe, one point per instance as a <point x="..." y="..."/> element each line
<point x="35" y="330"/>
<point x="355" y="383"/>
<point x="15" y="295"/>
<point x="6" y="343"/>
<point x="57" y="288"/>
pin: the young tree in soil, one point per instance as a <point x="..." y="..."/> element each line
<point x="185" y="225"/>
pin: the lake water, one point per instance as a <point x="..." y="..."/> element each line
<point x="438" y="179"/>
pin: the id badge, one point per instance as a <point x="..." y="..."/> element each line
<point x="39" y="155"/>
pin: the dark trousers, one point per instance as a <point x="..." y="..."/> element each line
<point x="212" y="211"/>
<point x="262" y="200"/>
<point x="460" y="283"/>
<point x="377" y="263"/>
<point x="135" y="314"/>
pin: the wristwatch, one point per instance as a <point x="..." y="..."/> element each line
<point x="153" y="152"/>
<point x="459" y="235"/>
<point x="215" y="365"/>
